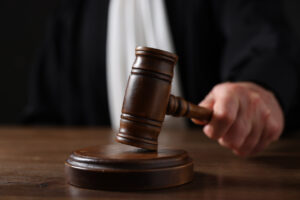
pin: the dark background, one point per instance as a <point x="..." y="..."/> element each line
<point x="22" y="25"/>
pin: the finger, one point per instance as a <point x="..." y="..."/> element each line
<point x="250" y="142"/>
<point x="270" y="134"/>
<point x="240" y="129"/>
<point x="259" y="119"/>
<point x="264" y="141"/>
<point x="236" y="135"/>
<point x="208" y="102"/>
<point x="225" y="109"/>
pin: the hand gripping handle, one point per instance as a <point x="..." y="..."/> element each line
<point x="179" y="107"/>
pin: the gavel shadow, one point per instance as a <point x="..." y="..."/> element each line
<point x="199" y="181"/>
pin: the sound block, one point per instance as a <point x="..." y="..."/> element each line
<point x="122" y="167"/>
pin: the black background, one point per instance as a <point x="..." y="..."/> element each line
<point x="22" y="28"/>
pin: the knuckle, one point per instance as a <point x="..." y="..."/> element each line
<point x="225" y="142"/>
<point x="225" y="118"/>
<point x="231" y="88"/>
<point x="222" y="142"/>
<point x="235" y="144"/>
<point x="228" y="87"/>
<point x="265" y="114"/>
<point x="274" y="132"/>
<point x="237" y="88"/>
<point x="210" y="133"/>
<point x="255" y="99"/>
<point x="275" y="128"/>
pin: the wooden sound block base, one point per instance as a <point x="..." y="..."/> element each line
<point x="122" y="167"/>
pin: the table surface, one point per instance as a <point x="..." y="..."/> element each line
<point x="32" y="167"/>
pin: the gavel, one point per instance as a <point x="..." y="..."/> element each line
<point x="146" y="102"/>
<point x="147" y="99"/>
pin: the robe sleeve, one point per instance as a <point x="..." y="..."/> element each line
<point x="259" y="47"/>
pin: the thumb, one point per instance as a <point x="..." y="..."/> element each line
<point x="208" y="101"/>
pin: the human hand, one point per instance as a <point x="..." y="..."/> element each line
<point x="246" y="117"/>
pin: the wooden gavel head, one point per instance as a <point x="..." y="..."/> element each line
<point x="147" y="99"/>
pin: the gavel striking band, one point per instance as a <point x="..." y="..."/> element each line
<point x="147" y="99"/>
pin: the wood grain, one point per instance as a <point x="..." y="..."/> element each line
<point x="122" y="167"/>
<point x="32" y="167"/>
<point x="147" y="99"/>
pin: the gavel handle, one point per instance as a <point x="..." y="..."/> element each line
<point x="178" y="107"/>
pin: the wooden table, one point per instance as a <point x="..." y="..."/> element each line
<point x="32" y="167"/>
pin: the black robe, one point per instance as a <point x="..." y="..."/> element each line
<point x="216" y="41"/>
